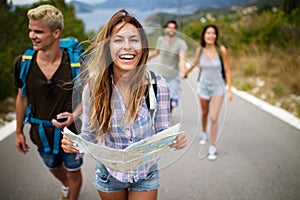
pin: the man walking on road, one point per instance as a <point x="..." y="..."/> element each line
<point x="48" y="97"/>
<point x="173" y="52"/>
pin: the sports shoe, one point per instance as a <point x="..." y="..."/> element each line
<point x="65" y="193"/>
<point x="212" y="152"/>
<point x="203" y="139"/>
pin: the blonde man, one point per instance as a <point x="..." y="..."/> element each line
<point x="48" y="100"/>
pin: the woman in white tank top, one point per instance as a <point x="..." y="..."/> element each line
<point x="211" y="85"/>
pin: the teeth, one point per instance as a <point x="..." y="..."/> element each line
<point x="127" y="56"/>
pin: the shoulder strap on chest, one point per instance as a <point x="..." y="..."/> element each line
<point x="222" y="64"/>
<point x="151" y="96"/>
<point x="25" y="66"/>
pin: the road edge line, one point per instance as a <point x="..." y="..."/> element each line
<point x="7" y="129"/>
<point x="273" y="110"/>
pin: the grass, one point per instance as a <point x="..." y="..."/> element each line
<point x="272" y="76"/>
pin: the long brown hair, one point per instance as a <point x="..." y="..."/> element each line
<point x="100" y="66"/>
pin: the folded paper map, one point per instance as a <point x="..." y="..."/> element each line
<point x="134" y="156"/>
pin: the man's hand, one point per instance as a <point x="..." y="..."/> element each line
<point x="21" y="145"/>
<point x="184" y="74"/>
<point x="64" y="123"/>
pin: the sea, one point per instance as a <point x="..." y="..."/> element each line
<point x="95" y="19"/>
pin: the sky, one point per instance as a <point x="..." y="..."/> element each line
<point x="20" y="2"/>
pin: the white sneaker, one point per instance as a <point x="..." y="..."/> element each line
<point x="203" y="139"/>
<point x="65" y="193"/>
<point x="212" y="152"/>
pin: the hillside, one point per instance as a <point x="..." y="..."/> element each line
<point x="156" y="4"/>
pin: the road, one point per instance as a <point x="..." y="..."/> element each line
<point x="259" y="158"/>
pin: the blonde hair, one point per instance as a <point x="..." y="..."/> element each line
<point x="49" y="14"/>
<point x="99" y="68"/>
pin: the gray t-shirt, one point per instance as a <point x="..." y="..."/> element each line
<point x="169" y="56"/>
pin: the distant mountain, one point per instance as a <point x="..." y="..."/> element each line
<point x="157" y="4"/>
<point x="82" y="7"/>
<point x="149" y="4"/>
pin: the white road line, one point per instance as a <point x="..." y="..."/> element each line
<point x="273" y="110"/>
<point x="7" y="130"/>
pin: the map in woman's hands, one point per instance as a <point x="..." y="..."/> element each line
<point x="132" y="157"/>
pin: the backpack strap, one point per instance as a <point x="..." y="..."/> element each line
<point x="76" y="56"/>
<point x="75" y="51"/>
<point x="25" y="66"/>
<point x="222" y="64"/>
<point x="151" y="96"/>
<point x="42" y="124"/>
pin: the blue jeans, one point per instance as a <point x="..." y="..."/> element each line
<point x="104" y="182"/>
<point x="52" y="161"/>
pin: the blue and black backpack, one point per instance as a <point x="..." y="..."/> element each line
<point x="75" y="51"/>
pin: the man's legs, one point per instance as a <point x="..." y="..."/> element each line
<point x="71" y="179"/>
<point x="66" y="168"/>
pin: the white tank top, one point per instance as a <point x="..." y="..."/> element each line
<point x="210" y="68"/>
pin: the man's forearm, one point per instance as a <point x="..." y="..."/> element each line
<point x="21" y="103"/>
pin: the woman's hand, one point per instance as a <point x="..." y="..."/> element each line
<point x="68" y="145"/>
<point x="230" y="96"/>
<point x="184" y="74"/>
<point x="179" y="142"/>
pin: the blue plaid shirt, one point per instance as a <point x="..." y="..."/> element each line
<point x="122" y="135"/>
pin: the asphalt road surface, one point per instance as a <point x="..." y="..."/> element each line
<point x="259" y="158"/>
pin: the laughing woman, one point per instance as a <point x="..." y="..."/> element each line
<point x="115" y="110"/>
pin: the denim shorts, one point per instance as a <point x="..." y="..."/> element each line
<point x="105" y="182"/>
<point x="53" y="161"/>
<point x="206" y="89"/>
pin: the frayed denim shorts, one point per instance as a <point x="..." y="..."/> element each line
<point x="206" y="88"/>
<point x="105" y="182"/>
<point x="53" y="161"/>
